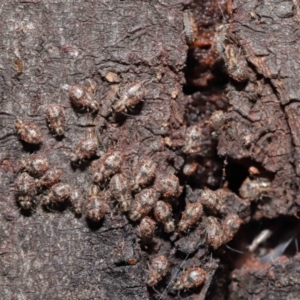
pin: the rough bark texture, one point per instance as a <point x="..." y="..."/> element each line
<point x="46" y="46"/>
<point x="239" y="165"/>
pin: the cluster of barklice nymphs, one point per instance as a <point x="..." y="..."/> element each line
<point x="38" y="178"/>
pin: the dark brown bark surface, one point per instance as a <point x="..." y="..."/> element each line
<point x="45" y="47"/>
<point x="223" y="160"/>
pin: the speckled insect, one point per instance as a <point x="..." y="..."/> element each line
<point x="214" y="232"/>
<point x="143" y="174"/>
<point x="253" y="189"/>
<point x="191" y="216"/>
<point x="55" y="117"/>
<point x="190" y="168"/>
<point x="193" y="138"/>
<point x="50" y="178"/>
<point x="143" y="204"/>
<point x="163" y="214"/>
<point x="231" y="225"/>
<point x="119" y="189"/>
<point x="191" y="278"/>
<point x="131" y="95"/>
<point x="236" y="64"/>
<point x="28" y="132"/>
<point x="209" y="200"/>
<point x="58" y="193"/>
<point x="76" y="202"/>
<point x="168" y="185"/>
<point x="35" y="165"/>
<point x="146" y="229"/>
<point x="84" y="150"/>
<point x="95" y="206"/>
<point x="108" y="165"/>
<point x="159" y="268"/>
<point x="190" y="27"/>
<point x="83" y="98"/>
<point x="25" y="189"/>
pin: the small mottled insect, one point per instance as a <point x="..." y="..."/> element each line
<point x="83" y="98"/>
<point x="163" y="214"/>
<point x="108" y="165"/>
<point x="210" y="200"/>
<point x="158" y="269"/>
<point x="119" y="189"/>
<point x="253" y="189"/>
<point x="75" y="200"/>
<point x="190" y="279"/>
<point x="236" y="64"/>
<point x="95" y="206"/>
<point x="55" y="117"/>
<point x="214" y="232"/>
<point x="231" y="225"/>
<point x="168" y="185"/>
<point x="146" y="229"/>
<point x="191" y="216"/>
<point x="25" y="186"/>
<point x="143" y="174"/>
<point x="35" y="165"/>
<point x="216" y="121"/>
<point x="28" y="132"/>
<point x="50" y="178"/>
<point x="193" y="138"/>
<point x="58" y="193"/>
<point x="190" y="168"/>
<point x="190" y="27"/>
<point x="143" y="204"/>
<point x="85" y="149"/>
<point x="131" y="95"/>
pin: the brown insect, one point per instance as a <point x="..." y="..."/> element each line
<point x="163" y="214"/>
<point x="83" y="98"/>
<point x="210" y="200"/>
<point x="55" y="117"/>
<point x="58" y="193"/>
<point x="253" y="189"/>
<point x="35" y="165"/>
<point x="190" y="279"/>
<point x="84" y="150"/>
<point x="50" y="178"/>
<point x="190" y="27"/>
<point x="95" y="206"/>
<point x="28" y="132"/>
<point x="236" y="64"/>
<point x="193" y="138"/>
<point x="231" y="225"/>
<point x="25" y="187"/>
<point x="214" y="232"/>
<point x="119" y="189"/>
<point x="191" y="216"/>
<point x="76" y="201"/>
<point x="190" y="168"/>
<point x="143" y="174"/>
<point x="168" y="185"/>
<point x="131" y="95"/>
<point x="159" y="268"/>
<point x="146" y="229"/>
<point x="108" y="165"/>
<point x="143" y="204"/>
